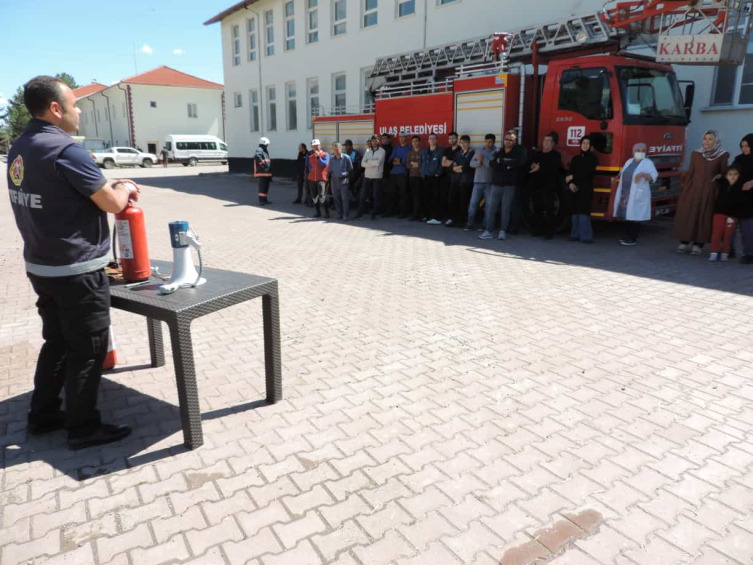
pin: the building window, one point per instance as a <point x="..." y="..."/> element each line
<point x="238" y="99"/>
<point x="732" y="87"/>
<point x="152" y="104"/>
<point x="340" y="14"/>
<point x="370" y="16"/>
<point x="291" y="106"/>
<point x="271" y="108"/>
<point x="269" y="19"/>
<point x="367" y="98"/>
<point x="236" y="46"/>
<point x="192" y="112"/>
<point x="253" y="97"/>
<point x="312" y="89"/>
<point x="289" y="25"/>
<point x="312" y="20"/>
<point x="338" y="93"/>
<point x="251" y="26"/>
<point x="443" y="2"/>
<point x="406" y="8"/>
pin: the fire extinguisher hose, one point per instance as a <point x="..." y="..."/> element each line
<point x="115" y="242"/>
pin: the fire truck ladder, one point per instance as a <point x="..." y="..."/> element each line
<point x="573" y="33"/>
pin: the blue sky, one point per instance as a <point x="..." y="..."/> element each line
<point x="96" y="40"/>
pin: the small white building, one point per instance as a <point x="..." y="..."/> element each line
<point x="285" y="60"/>
<point x="140" y="111"/>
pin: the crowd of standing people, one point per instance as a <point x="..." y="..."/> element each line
<point x="447" y="186"/>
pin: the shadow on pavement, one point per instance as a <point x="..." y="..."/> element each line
<point x="153" y="421"/>
<point x="653" y="258"/>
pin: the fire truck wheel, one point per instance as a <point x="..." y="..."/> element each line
<point x="534" y="202"/>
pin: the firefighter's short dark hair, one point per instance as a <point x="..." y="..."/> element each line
<point x="40" y="92"/>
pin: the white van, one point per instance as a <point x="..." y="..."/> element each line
<point x="190" y="149"/>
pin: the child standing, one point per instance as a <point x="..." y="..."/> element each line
<point x="725" y="220"/>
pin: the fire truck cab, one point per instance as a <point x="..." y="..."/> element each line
<point x="618" y="100"/>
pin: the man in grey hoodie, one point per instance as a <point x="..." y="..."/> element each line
<point x="482" y="180"/>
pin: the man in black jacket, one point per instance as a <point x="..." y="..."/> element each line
<point x="461" y="184"/>
<point x="388" y="189"/>
<point x="508" y="169"/>
<point x="544" y="183"/>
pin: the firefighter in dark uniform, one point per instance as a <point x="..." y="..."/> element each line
<point x="263" y="170"/>
<point x="60" y="201"/>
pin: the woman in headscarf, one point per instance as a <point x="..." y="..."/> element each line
<point x="743" y="203"/>
<point x="632" y="202"/>
<point x="580" y="183"/>
<point x="695" y="211"/>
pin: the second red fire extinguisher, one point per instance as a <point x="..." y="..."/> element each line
<point x="134" y="252"/>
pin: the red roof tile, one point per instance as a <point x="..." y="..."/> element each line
<point x="92" y="88"/>
<point x="165" y="76"/>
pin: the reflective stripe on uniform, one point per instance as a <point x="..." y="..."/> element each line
<point x="68" y="270"/>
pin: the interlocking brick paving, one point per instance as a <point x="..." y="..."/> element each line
<point x="447" y="401"/>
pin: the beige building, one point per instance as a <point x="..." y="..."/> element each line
<point x="285" y="60"/>
<point x="140" y="111"/>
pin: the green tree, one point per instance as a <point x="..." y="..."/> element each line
<point x="68" y="79"/>
<point x="16" y="115"/>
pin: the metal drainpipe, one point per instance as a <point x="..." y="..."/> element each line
<point x="535" y="60"/>
<point x="109" y="120"/>
<point x="94" y="115"/>
<point x="426" y="16"/>
<point x="521" y="104"/>
<point x="258" y="60"/>
<point x="128" y="114"/>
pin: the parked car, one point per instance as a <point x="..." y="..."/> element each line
<point x="123" y="157"/>
<point x="190" y="149"/>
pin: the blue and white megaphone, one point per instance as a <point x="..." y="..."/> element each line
<point x="184" y="275"/>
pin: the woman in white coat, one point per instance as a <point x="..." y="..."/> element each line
<point x="632" y="202"/>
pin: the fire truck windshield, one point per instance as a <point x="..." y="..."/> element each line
<point x="650" y="97"/>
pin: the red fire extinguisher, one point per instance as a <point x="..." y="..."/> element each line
<point x="134" y="252"/>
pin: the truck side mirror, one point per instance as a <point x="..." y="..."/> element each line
<point x="689" y="96"/>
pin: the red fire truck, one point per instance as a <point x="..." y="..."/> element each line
<point x="591" y="85"/>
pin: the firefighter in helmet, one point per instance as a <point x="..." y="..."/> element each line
<point x="263" y="170"/>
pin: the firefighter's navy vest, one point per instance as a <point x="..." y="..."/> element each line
<point x="64" y="232"/>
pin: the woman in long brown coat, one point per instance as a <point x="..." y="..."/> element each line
<point x="695" y="211"/>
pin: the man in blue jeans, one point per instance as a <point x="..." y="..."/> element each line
<point x="482" y="180"/>
<point x="507" y="177"/>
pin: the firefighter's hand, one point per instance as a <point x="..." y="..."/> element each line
<point x="535" y="167"/>
<point x="573" y="188"/>
<point x="748" y="185"/>
<point x="716" y="178"/>
<point x="730" y="222"/>
<point x="568" y="178"/>
<point x="133" y="188"/>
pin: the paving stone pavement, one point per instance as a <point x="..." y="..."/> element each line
<point x="446" y="401"/>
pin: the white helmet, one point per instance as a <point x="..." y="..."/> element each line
<point x="264" y="141"/>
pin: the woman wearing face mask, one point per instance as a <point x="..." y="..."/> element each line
<point x="632" y="202"/>
<point x="695" y="211"/>
<point x="580" y="184"/>
<point x="744" y="201"/>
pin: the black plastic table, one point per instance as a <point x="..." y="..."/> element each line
<point x="178" y="310"/>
